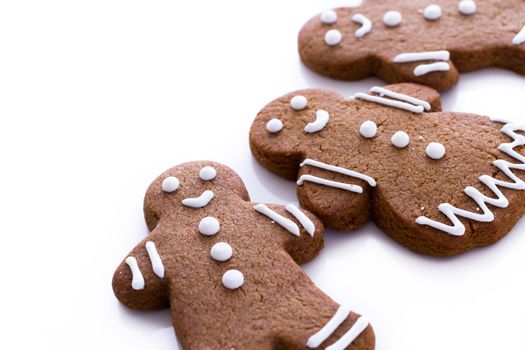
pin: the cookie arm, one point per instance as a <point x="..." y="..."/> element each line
<point x="139" y="281"/>
<point x="300" y="232"/>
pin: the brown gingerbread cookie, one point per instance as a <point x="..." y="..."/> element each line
<point x="440" y="183"/>
<point x="420" y="41"/>
<point x="228" y="269"/>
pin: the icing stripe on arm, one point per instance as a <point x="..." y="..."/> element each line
<point x="422" y="56"/>
<point x="137" y="281"/>
<point x="520" y="37"/>
<point x="287" y="224"/>
<point x="349" y="337"/>
<point x="302" y="218"/>
<point x="390" y="103"/>
<point x="329" y="183"/>
<point x="424" y="69"/>
<point x="451" y="212"/>
<point x="338" y="169"/>
<point x="156" y="261"/>
<point x="401" y="97"/>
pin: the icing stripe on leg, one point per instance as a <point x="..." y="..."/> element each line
<point x="324" y="333"/>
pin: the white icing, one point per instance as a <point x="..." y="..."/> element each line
<point x="348" y="338"/>
<point x="209" y="226"/>
<point x="435" y="150"/>
<point x="392" y="18"/>
<point x="233" y="279"/>
<point x="329" y="183"/>
<point x="321" y="119"/>
<point x="400" y="139"/>
<point x="368" y="129"/>
<point x="366" y="25"/>
<point x="221" y="251"/>
<point x="200" y="201"/>
<point x="389" y="102"/>
<point x="207" y="173"/>
<point x="328" y="17"/>
<point x="424" y="69"/>
<point x="441" y="55"/>
<point x="274" y="125"/>
<point x="520" y="37"/>
<point x="302" y="218"/>
<point x="401" y="97"/>
<point x="287" y="224"/>
<point x="333" y="37"/>
<point x="467" y="7"/>
<point x="156" y="261"/>
<point x="340" y="170"/>
<point x="298" y="102"/>
<point x="137" y="281"/>
<point x="170" y="184"/>
<point x="324" y="333"/>
<point x="451" y="212"/>
<point x="432" y="12"/>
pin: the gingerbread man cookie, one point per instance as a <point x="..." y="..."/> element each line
<point x="420" y="41"/>
<point x="228" y="269"/>
<point x="440" y="183"/>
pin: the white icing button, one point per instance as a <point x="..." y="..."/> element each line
<point x="467" y="7"/>
<point x="274" y="125"/>
<point x="333" y="37"/>
<point x="400" y="139"/>
<point x="221" y="251"/>
<point x="392" y="18"/>
<point x="432" y="12"/>
<point x="298" y="102"/>
<point x="209" y="226"/>
<point x="170" y="184"/>
<point x="368" y="129"/>
<point x="329" y="17"/>
<point x="435" y="150"/>
<point x="207" y="173"/>
<point x="233" y="279"/>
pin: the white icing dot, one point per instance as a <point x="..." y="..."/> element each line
<point x="467" y="7"/>
<point x="221" y="251"/>
<point x="392" y="18"/>
<point x="329" y="17"/>
<point x="333" y="37"/>
<point x="209" y="226"/>
<point x="432" y="12"/>
<point x="435" y="150"/>
<point x="368" y="129"/>
<point x="298" y="102"/>
<point x="233" y="279"/>
<point x="207" y="173"/>
<point x="274" y="125"/>
<point x="400" y="139"/>
<point x="170" y="184"/>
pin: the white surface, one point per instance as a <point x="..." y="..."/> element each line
<point x="99" y="97"/>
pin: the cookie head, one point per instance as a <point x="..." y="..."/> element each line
<point x="189" y="185"/>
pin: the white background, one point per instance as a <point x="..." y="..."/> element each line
<point x="98" y="97"/>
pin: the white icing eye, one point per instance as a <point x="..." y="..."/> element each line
<point x="333" y="37"/>
<point x="274" y="125"/>
<point x="329" y="17"/>
<point x="170" y="184"/>
<point x="368" y="129"/>
<point x="209" y="226"/>
<point x="221" y="251"/>
<point x="467" y="7"/>
<point x="392" y="18"/>
<point x="432" y="12"/>
<point x="400" y="139"/>
<point x="233" y="279"/>
<point x="435" y="150"/>
<point x="207" y="173"/>
<point x="298" y="102"/>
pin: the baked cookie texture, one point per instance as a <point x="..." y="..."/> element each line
<point x="228" y="268"/>
<point x="440" y="183"/>
<point x="419" y="41"/>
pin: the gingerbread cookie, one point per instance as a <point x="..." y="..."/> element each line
<point x="415" y="41"/>
<point x="440" y="183"/>
<point x="228" y="268"/>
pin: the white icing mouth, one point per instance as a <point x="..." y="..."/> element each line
<point x="200" y="201"/>
<point x="321" y="119"/>
<point x="366" y="25"/>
